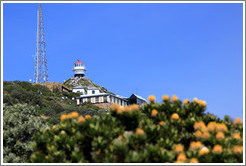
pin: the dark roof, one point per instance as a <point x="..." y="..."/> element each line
<point x="139" y="97"/>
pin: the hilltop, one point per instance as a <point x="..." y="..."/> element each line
<point x="85" y="82"/>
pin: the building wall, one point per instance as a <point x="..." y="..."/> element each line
<point x="89" y="92"/>
<point x="103" y="99"/>
<point x="79" y="90"/>
<point x="139" y="101"/>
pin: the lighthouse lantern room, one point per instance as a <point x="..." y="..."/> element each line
<point x="79" y="69"/>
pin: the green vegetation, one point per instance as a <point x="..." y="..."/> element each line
<point x="49" y="104"/>
<point x="44" y="126"/>
<point x="171" y="131"/>
<point x="20" y="122"/>
<point x="28" y="108"/>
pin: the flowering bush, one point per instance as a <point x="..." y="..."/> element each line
<point x="171" y="131"/>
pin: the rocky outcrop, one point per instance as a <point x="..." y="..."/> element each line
<point x="85" y="82"/>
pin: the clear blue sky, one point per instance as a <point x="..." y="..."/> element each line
<point x="191" y="50"/>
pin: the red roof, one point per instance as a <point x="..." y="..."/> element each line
<point x="79" y="62"/>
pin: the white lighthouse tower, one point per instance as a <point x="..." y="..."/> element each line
<point x="79" y="69"/>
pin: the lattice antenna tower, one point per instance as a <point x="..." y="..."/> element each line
<point x="41" y="68"/>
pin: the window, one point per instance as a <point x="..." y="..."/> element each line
<point x="97" y="99"/>
<point x="104" y="98"/>
<point x="89" y="99"/>
<point x="93" y="92"/>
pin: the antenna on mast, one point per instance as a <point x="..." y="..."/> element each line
<point x="41" y="68"/>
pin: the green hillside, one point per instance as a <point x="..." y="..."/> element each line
<point x="50" y="104"/>
<point x="28" y="108"/>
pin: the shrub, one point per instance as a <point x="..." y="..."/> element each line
<point x="20" y="122"/>
<point x="173" y="132"/>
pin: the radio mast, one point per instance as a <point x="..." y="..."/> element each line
<point x="41" y="68"/>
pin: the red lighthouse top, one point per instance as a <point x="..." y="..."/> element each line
<point x="79" y="62"/>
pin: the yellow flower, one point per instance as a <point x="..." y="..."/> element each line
<point x="127" y="109"/>
<point x="237" y="121"/>
<point x="81" y="119"/>
<point x="119" y="110"/>
<point x="202" y="103"/>
<point x="220" y="135"/>
<point x="74" y="114"/>
<point x="194" y="160"/>
<point x="195" y="145"/>
<point x="181" y="157"/>
<point x="211" y="126"/>
<point x="140" y="131"/>
<point x="151" y="98"/>
<point x="154" y="112"/>
<point x="165" y="97"/>
<point x="88" y="117"/>
<point x="221" y="127"/>
<point x="63" y="117"/>
<point x="238" y="149"/>
<point x="186" y="101"/>
<point x="175" y="116"/>
<point x="54" y="127"/>
<point x="120" y="136"/>
<point x="161" y="123"/>
<point x="195" y="99"/>
<point x="204" y="129"/>
<point x="179" y="148"/>
<point x="98" y="152"/>
<point x="134" y="107"/>
<point x="203" y="151"/>
<point x="205" y="135"/>
<point x="199" y="125"/>
<point x="63" y="132"/>
<point x="68" y="116"/>
<point x="217" y="149"/>
<point x="174" y="98"/>
<point x="115" y="107"/>
<point x="237" y="136"/>
<point x="198" y="134"/>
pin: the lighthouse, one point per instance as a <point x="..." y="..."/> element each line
<point x="79" y="69"/>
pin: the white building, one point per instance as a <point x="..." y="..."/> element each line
<point x="79" y="69"/>
<point x="93" y="95"/>
<point x="79" y="89"/>
<point x="93" y="90"/>
<point x="101" y="98"/>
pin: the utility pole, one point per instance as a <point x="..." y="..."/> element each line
<point x="41" y="68"/>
